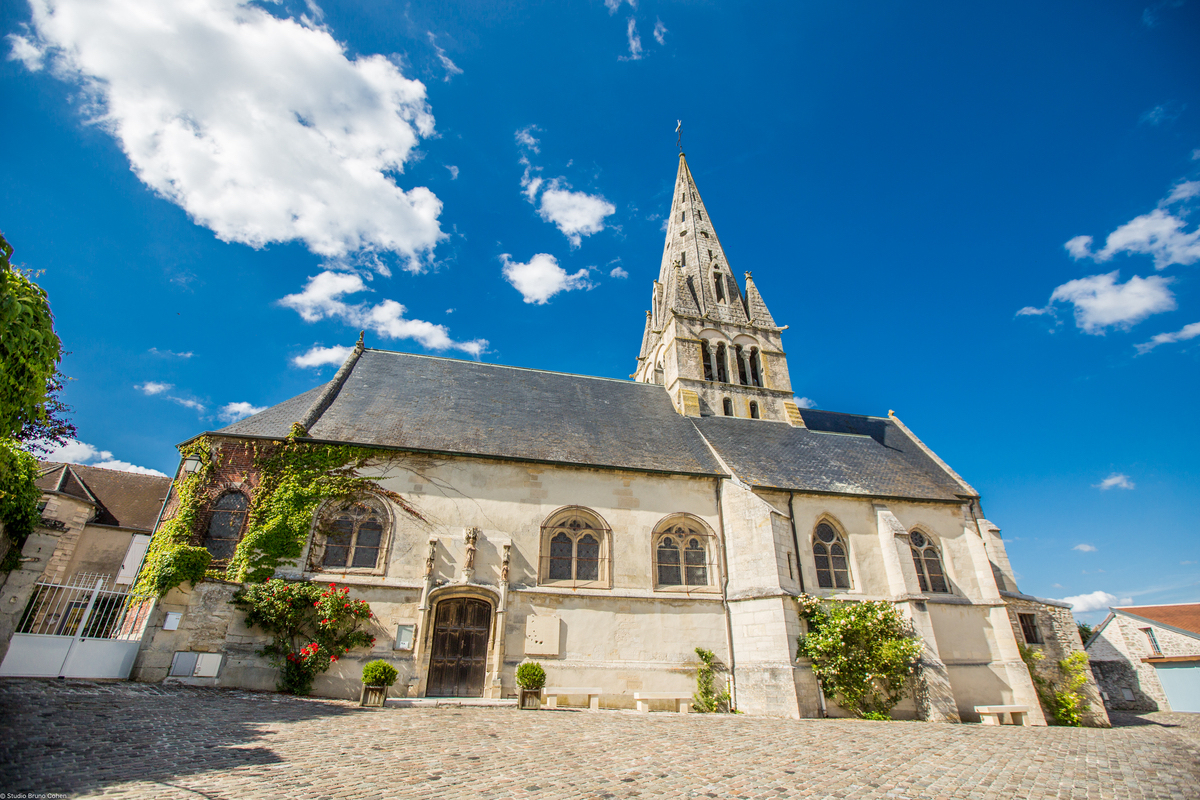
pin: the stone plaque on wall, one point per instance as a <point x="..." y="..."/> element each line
<point x="542" y="636"/>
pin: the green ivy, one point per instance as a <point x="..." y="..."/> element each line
<point x="707" y="699"/>
<point x="864" y="654"/>
<point x="295" y="478"/>
<point x="172" y="559"/>
<point x="1060" y="696"/>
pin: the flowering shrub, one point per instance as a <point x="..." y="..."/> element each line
<point x="864" y="654"/>
<point x="313" y="626"/>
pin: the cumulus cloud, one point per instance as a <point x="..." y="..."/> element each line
<point x="1183" y="334"/>
<point x="74" y="451"/>
<point x="660" y="31"/>
<point x="323" y="298"/>
<point x="195" y="405"/>
<point x="320" y="356"/>
<point x="1100" y="302"/>
<point x="635" y="41"/>
<point x="576" y="214"/>
<point x="451" y="68"/>
<point x="541" y="277"/>
<point x="26" y="51"/>
<point x="453" y="172"/>
<point x="1116" y="480"/>
<point x="1161" y="233"/>
<point x="232" y="412"/>
<point x="806" y="402"/>
<point x="526" y="139"/>
<point x="153" y="387"/>
<point x="1095" y="601"/>
<point x="618" y="272"/>
<point x="261" y="128"/>
<point x="1084" y="548"/>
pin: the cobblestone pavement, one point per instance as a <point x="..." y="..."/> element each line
<point x="139" y="740"/>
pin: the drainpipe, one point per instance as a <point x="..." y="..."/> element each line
<point x="795" y="539"/>
<point x="725" y="599"/>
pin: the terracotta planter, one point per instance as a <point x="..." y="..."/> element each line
<point x="374" y="696"/>
<point x="531" y="699"/>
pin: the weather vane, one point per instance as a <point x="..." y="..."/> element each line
<point x="679" y="134"/>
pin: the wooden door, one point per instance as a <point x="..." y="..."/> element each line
<point x="458" y="663"/>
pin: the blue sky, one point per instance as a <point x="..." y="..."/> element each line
<point x="219" y="194"/>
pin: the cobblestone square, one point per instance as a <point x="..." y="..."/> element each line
<point x="139" y="740"/>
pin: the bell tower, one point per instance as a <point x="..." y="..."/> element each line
<point x="715" y="348"/>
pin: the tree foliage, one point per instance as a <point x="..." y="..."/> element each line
<point x="864" y="654"/>
<point x="29" y="348"/>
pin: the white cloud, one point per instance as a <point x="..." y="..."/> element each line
<point x="525" y="138"/>
<point x="1100" y="302"/>
<point x="806" y="402"/>
<point x="76" y="452"/>
<point x="1095" y="601"/>
<point x="1166" y="112"/>
<point x="195" y="405"/>
<point x="451" y="68"/>
<point x="1183" y="334"/>
<point x="660" y="31"/>
<point x="1084" y="548"/>
<point x="1184" y="190"/>
<point x="576" y="214"/>
<point x="613" y="5"/>
<point x="1031" y="311"/>
<point x="153" y="387"/>
<point x="1116" y="480"/>
<point x="232" y="412"/>
<point x="1160" y="234"/>
<point x="453" y="172"/>
<point x="26" y="51"/>
<point x="542" y="278"/>
<point x="320" y="356"/>
<point x="617" y="272"/>
<point x="261" y="128"/>
<point x="322" y="298"/>
<point x="170" y="353"/>
<point x="635" y="41"/>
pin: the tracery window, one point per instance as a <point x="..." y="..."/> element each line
<point x="928" y="562"/>
<point x="681" y="555"/>
<point x="829" y="553"/>
<point x="575" y="545"/>
<point x="351" y="535"/>
<point x="225" y="527"/>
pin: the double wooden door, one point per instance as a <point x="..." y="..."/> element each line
<point x="458" y="662"/>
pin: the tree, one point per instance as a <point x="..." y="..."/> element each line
<point x="1085" y="631"/>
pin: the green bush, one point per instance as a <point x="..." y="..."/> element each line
<point x="878" y="716"/>
<point x="1059" y="696"/>
<point x="864" y="654"/>
<point x="530" y="676"/>
<point x="707" y="700"/>
<point x="379" y="673"/>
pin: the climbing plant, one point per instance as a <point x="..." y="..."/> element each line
<point x="311" y="627"/>
<point x="707" y="699"/>
<point x="864" y="654"/>
<point x="18" y="499"/>
<point x="172" y="558"/>
<point x="1059" y="694"/>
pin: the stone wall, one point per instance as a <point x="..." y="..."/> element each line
<point x="1117" y="650"/>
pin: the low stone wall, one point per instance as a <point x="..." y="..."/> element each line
<point x="1123" y="690"/>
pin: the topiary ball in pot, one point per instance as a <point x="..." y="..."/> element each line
<point x="531" y="676"/>
<point x="379" y="673"/>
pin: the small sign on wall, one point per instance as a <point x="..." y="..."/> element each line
<point x="171" y="623"/>
<point x="404" y="637"/>
<point x="542" y="635"/>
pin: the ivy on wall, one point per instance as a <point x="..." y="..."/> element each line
<point x="172" y="557"/>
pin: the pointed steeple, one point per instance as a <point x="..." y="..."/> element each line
<point x="755" y="307"/>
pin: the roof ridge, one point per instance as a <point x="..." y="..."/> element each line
<point x="510" y="366"/>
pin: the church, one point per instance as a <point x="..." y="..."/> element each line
<point x="607" y="528"/>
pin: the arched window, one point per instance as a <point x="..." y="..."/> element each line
<point x="225" y="527"/>
<point x="720" y="287"/>
<point x="727" y="407"/>
<point x="706" y="357"/>
<point x="352" y="534"/>
<point x="739" y="357"/>
<point x="681" y="554"/>
<point x="753" y="409"/>
<point x="928" y="563"/>
<point x="755" y="367"/>
<point x="574" y="548"/>
<point x="829" y="553"/>
<point x="722" y="372"/>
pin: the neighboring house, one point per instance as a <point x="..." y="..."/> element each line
<point x="104" y="518"/>
<point x="1147" y="658"/>
<point x="607" y="528"/>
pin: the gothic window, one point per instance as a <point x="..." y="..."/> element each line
<point x="574" y="549"/>
<point x="727" y="407"/>
<point x="681" y="554"/>
<point x="753" y="410"/>
<point x="706" y="357"/>
<point x="928" y="563"/>
<point x="829" y="553"/>
<point x="722" y="371"/>
<point x="352" y="535"/>
<point x="739" y="356"/>
<point x="719" y="286"/>
<point x="755" y="367"/>
<point x="225" y="527"/>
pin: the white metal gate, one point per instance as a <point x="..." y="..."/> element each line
<point x="85" y="628"/>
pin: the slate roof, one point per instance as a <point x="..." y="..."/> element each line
<point x="1182" y="616"/>
<point x="446" y="405"/>
<point x="836" y="453"/>
<point x="122" y="499"/>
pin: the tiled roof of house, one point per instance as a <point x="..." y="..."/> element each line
<point x="123" y="499"/>
<point x="1184" y="616"/>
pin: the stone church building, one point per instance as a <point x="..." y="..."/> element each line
<point x="606" y="528"/>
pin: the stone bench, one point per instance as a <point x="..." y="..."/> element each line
<point x="683" y="701"/>
<point x="994" y="715"/>
<point x="552" y="693"/>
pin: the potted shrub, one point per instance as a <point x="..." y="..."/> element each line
<point x="531" y="678"/>
<point x="378" y="675"/>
